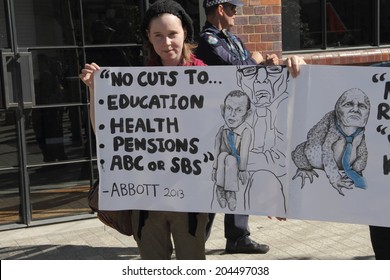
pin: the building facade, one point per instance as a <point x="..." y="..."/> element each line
<point x="47" y="147"/>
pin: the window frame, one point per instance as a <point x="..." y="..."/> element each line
<point x="376" y="22"/>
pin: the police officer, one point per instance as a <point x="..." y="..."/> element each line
<point x="218" y="46"/>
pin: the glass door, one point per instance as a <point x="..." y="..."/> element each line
<point x="46" y="145"/>
<point x="12" y="197"/>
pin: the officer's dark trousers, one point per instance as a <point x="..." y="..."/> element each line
<point x="380" y="240"/>
<point x="236" y="226"/>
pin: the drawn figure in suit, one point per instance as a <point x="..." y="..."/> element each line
<point x="232" y="145"/>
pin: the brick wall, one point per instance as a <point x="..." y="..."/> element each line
<point x="259" y="25"/>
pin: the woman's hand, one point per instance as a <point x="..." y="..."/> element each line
<point x="87" y="74"/>
<point x="87" y="77"/>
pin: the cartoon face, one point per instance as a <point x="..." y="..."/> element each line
<point x="353" y="108"/>
<point x="235" y="110"/>
<point x="261" y="82"/>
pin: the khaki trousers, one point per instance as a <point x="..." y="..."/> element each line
<point x="160" y="227"/>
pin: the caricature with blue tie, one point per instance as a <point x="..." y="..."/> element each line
<point x="336" y="144"/>
<point x="232" y="145"/>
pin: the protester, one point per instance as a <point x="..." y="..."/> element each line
<point x="168" y="32"/>
<point x="218" y="46"/>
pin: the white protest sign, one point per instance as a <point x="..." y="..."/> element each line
<point x="318" y="92"/>
<point x="238" y="140"/>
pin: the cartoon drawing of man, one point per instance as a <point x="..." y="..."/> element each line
<point x="268" y="91"/>
<point x="336" y="144"/>
<point x="267" y="88"/>
<point x="232" y="145"/>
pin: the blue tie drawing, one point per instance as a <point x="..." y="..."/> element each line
<point x="357" y="179"/>
<point x="232" y="146"/>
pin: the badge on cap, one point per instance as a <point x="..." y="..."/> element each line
<point x="212" y="40"/>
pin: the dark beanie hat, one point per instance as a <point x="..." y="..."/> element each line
<point x="168" y="7"/>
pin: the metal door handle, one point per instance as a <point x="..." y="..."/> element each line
<point x="17" y="80"/>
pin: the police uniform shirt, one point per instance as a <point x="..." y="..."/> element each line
<point x="220" y="47"/>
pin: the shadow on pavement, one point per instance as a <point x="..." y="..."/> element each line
<point x="84" y="252"/>
<point x="68" y="252"/>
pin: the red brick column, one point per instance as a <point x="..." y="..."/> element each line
<point x="259" y="25"/>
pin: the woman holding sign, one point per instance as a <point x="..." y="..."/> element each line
<point x="168" y="31"/>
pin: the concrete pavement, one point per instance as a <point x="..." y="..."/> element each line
<point x="91" y="240"/>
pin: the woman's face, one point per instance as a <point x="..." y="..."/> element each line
<point x="167" y="35"/>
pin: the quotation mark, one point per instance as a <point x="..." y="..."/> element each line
<point x="105" y="74"/>
<point x="382" y="130"/>
<point x="381" y="78"/>
<point x="208" y="156"/>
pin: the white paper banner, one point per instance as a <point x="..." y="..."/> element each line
<point x="247" y="140"/>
